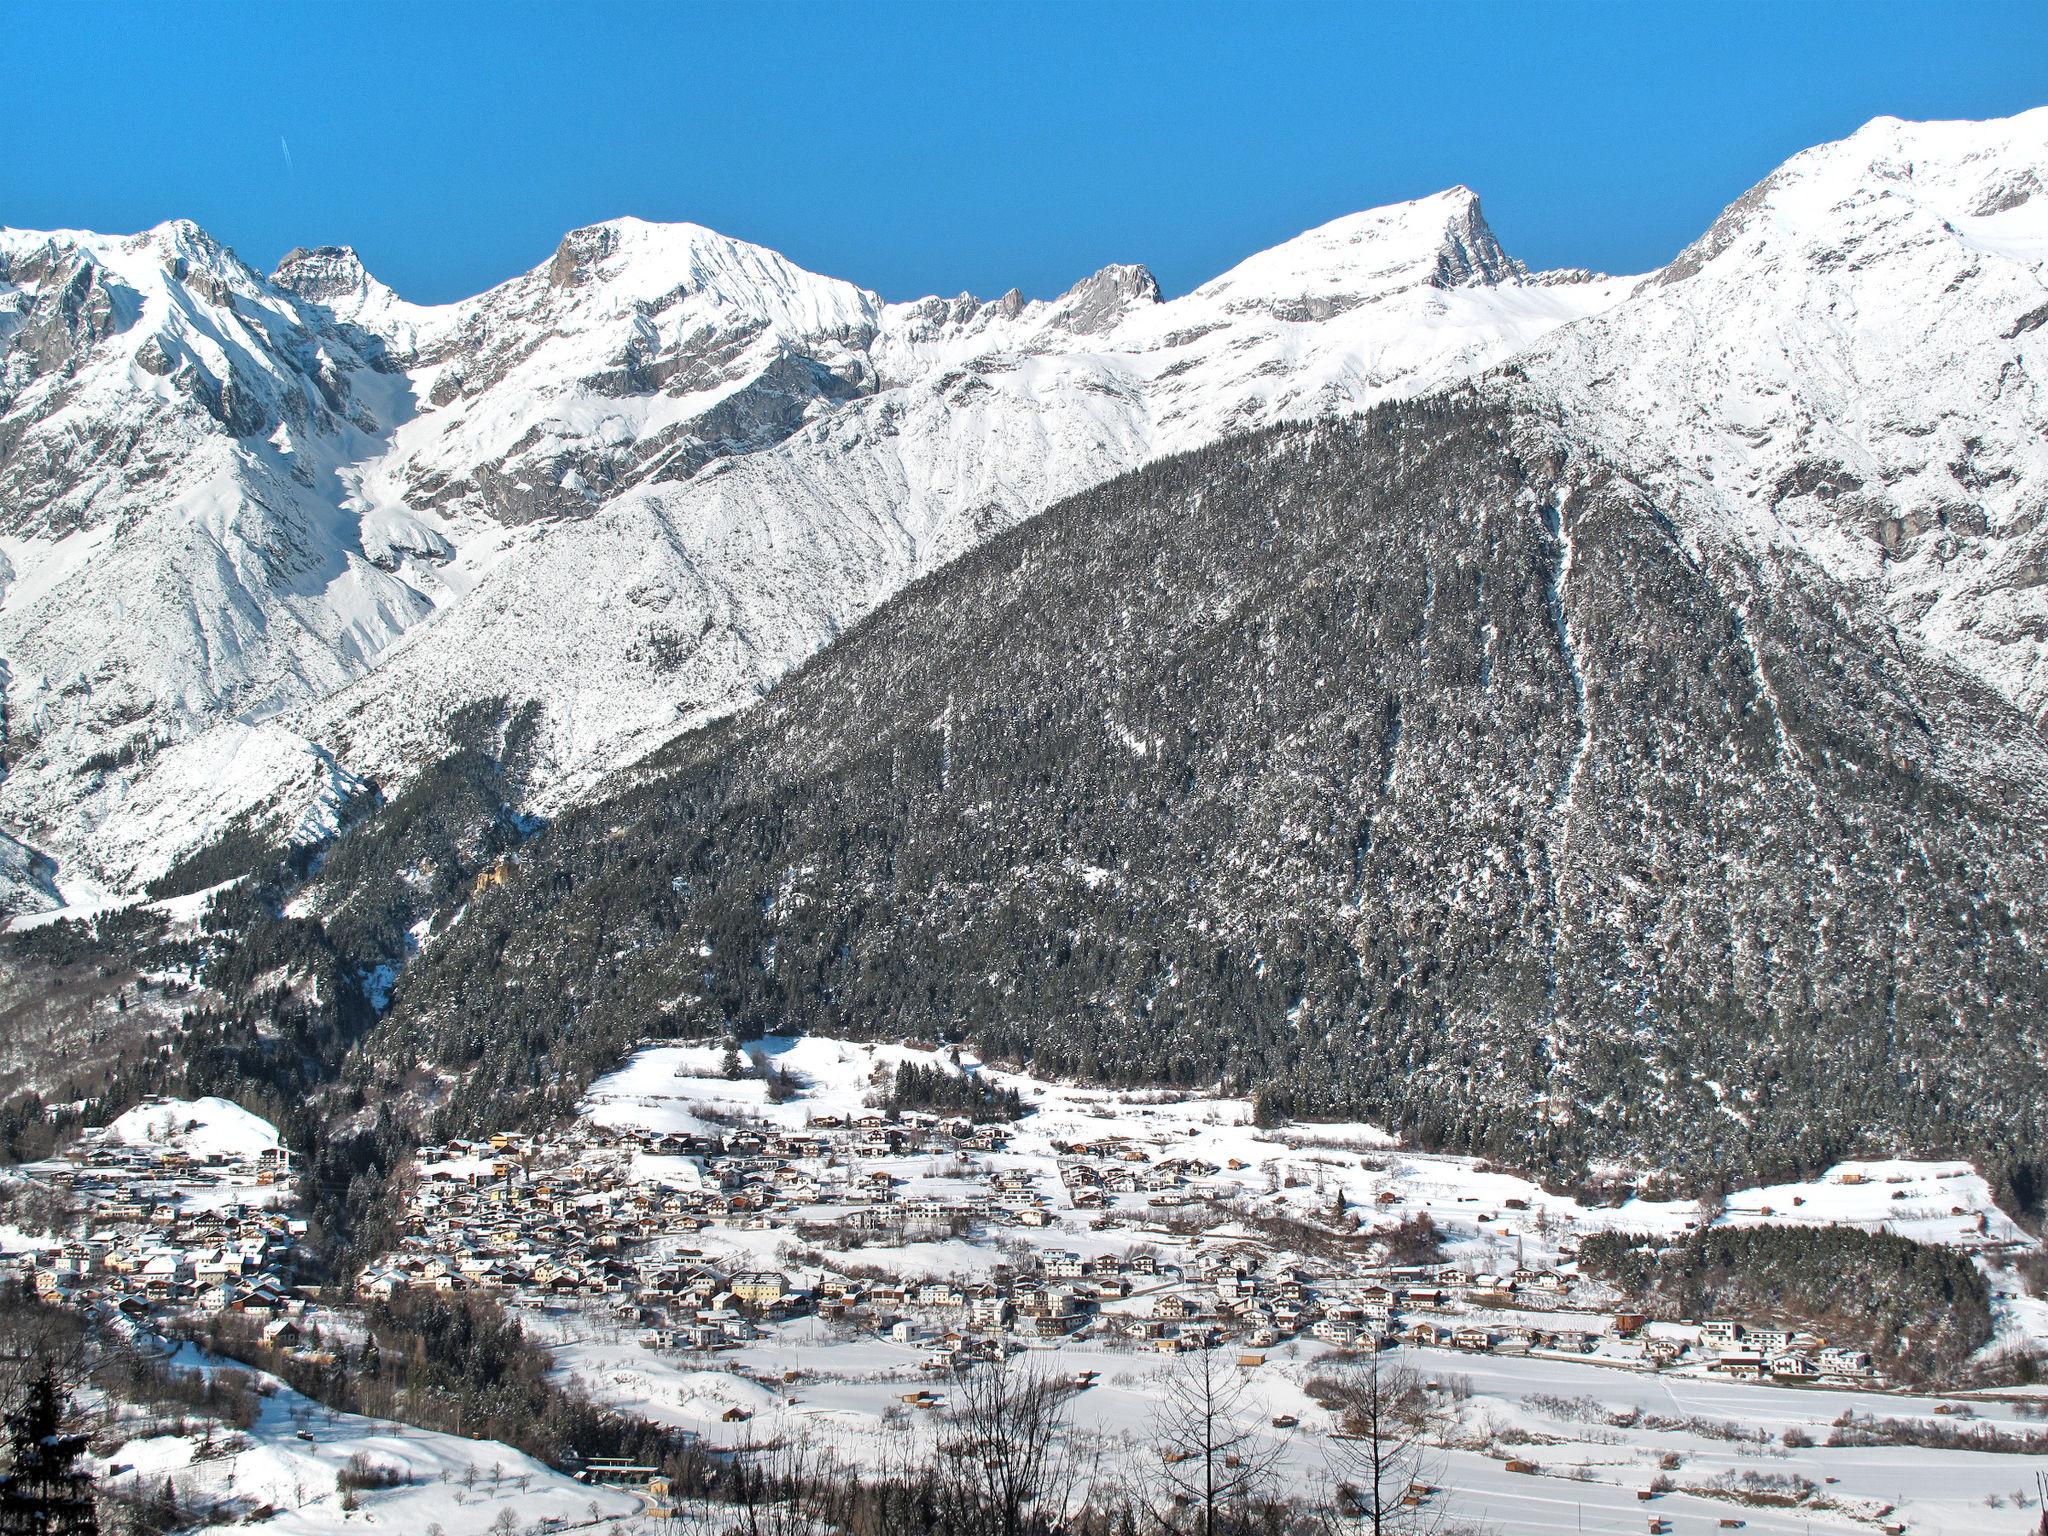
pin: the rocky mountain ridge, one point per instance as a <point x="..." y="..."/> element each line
<point x="262" y="528"/>
<point x="264" y="536"/>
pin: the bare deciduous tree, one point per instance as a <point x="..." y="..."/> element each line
<point x="775" y="1487"/>
<point x="1216" y="1465"/>
<point x="1384" y="1454"/>
<point x="1008" y="1464"/>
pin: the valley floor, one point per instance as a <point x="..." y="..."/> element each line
<point x="1551" y="1413"/>
<point x="770" y="1248"/>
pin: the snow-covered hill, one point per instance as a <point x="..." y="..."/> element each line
<point x="263" y="535"/>
<point x="202" y="1128"/>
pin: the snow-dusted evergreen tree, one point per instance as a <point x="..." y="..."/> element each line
<point x="45" y="1491"/>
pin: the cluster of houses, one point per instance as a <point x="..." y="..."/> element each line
<point x="158" y="1230"/>
<point x="1234" y="1294"/>
<point x="1748" y="1352"/>
<point x="616" y="1220"/>
<point x="576" y="1214"/>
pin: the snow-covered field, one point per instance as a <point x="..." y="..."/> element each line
<point x="1595" y="1429"/>
<point x="823" y="1391"/>
<point x="291" y="1459"/>
<point x="671" y="1087"/>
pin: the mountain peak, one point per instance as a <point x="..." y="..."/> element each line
<point x="1100" y="300"/>
<point x="636" y="262"/>
<point x="183" y="245"/>
<point x="1941" y="175"/>
<point x="177" y="248"/>
<point x="1439" y="241"/>
<point x="322" y="272"/>
<point x="184" y="236"/>
<point x="615" y="245"/>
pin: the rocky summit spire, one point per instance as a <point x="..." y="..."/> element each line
<point x="1101" y="299"/>
<point x="1441" y="241"/>
<point x="322" y="273"/>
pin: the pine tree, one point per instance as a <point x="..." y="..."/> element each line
<point x="46" y="1492"/>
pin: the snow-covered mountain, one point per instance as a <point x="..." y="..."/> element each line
<point x="849" y="447"/>
<point x="174" y="552"/>
<point x="264" y="535"/>
<point x="1851" y="368"/>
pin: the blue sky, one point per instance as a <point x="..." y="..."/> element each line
<point x="936" y="147"/>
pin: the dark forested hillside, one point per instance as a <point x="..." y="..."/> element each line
<point x="1921" y="1309"/>
<point x="1408" y="768"/>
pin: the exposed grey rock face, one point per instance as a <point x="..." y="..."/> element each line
<point x="1097" y="303"/>
<point x="27" y="879"/>
<point x="1471" y="254"/>
<point x="73" y="309"/>
<point x="579" y="255"/>
<point x="322" y="273"/>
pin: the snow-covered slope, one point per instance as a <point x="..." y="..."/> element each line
<point x="1851" y="365"/>
<point x="202" y="1128"/>
<point x="637" y="483"/>
<point x="294" y="1459"/>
